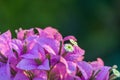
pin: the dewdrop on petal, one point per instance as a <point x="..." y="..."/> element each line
<point x="69" y="48"/>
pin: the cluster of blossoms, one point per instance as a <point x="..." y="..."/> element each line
<point x="43" y="54"/>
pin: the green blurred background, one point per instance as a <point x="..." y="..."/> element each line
<point x="95" y="23"/>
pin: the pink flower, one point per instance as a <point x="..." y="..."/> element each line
<point x="45" y="55"/>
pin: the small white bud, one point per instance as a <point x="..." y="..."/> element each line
<point x="20" y="29"/>
<point x="115" y="66"/>
<point x="69" y="48"/>
<point x="16" y="31"/>
<point x="116" y="72"/>
<point x="73" y="42"/>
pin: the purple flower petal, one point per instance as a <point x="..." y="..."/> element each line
<point x="40" y="75"/>
<point x="53" y="33"/>
<point x="17" y="45"/>
<point x="27" y="64"/>
<point x="97" y="64"/>
<point x="103" y="74"/>
<point x="73" y="57"/>
<point x="30" y="56"/>
<point x="44" y="65"/>
<point x="70" y="37"/>
<point x="5" y="40"/>
<point x="6" y="35"/>
<point x="5" y="72"/>
<point x="20" y="76"/>
<point x="72" y="68"/>
<point x="86" y="69"/>
<point x="22" y="33"/>
<point x="49" y="49"/>
<point x="49" y="44"/>
<point x="78" y="50"/>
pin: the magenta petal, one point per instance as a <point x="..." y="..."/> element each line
<point x="5" y="40"/>
<point x="32" y="53"/>
<point x="48" y="43"/>
<point x="97" y="64"/>
<point x="58" y="72"/>
<point x="86" y="69"/>
<point x="53" y="33"/>
<point x="74" y="57"/>
<point x="30" y="56"/>
<point x="40" y="75"/>
<point x="71" y="77"/>
<point x="39" y="79"/>
<point x="70" y="37"/>
<point x="21" y="33"/>
<point x="54" y="60"/>
<point x="49" y="49"/>
<point x="31" y="38"/>
<point x="45" y="65"/>
<point x="78" y="50"/>
<point x="6" y="35"/>
<point x="17" y="45"/>
<point x="62" y="60"/>
<point x="20" y="76"/>
<point x="1" y="64"/>
<point x="27" y="64"/>
<point x="39" y="30"/>
<point x="71" y="68"/>
<point x="5" y="72"/>
<point x="103" y="74"/>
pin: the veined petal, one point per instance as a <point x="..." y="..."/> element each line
<point x="44" y="65"/>
<point x="20" y="76"/>
<point x="72" y="68"/>
<point x="97" y="64"/>
<point x="49" y="43"/>
<point x="103" y="74"/>
<point x="2" y="64"/>
<point x="39" y="79"/>
<point x="5" y="72"/>
<point x="86" y="69"/>
<point x="49" y="49"/>
<point x="40" y="75"/>
<point x="30" y="56"/>
<point x="27" y="64"/>
<point x="53" y="33"/>
<point x="17" y="45"/>
<point x="24" y="33"/>
<point x="39" y="30"/>
<point x="74" y="57"/>
<point x="6" y="36"/>
<point x="78" y="50"/>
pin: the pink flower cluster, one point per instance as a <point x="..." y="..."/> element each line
<point x="43" y="54"/>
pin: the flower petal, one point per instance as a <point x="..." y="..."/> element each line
<point x="103" y="74"/>
<point x="5" y="72"/>
<point x="49" y="44"/>
<point x="20" y="76"/>
<point x="45" y="65"/>
<point x="86" y="69"/>
<point x="27" y="64"/>
<point x="70" y="37"/>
